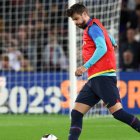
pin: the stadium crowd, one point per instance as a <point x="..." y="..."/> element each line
<point x="129" y="45"/>
<point x="33" y="35"/>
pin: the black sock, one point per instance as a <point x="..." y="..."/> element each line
<point x="76" y="125"/>
<point x="127" y="118"/>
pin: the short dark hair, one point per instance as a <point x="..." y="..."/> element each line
<point x="78" y="8"/>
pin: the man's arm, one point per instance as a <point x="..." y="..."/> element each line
<point x="97" y="36"/>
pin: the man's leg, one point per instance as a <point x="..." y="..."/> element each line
<point x="76" y="120"/>
<point x="109" y="93"/>
<point x="86" y="99"/>
<point x="121" y="115"/>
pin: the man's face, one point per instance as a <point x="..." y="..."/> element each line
<point x="130" y="34"/>
<point x="79" y="20"/>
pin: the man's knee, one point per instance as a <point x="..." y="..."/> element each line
<point x="115" y="107"/>
<point x="82" y="108"/>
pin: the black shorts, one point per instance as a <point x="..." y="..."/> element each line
<point x="100" y="88"/>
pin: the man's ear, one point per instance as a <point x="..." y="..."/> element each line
<point x="84" y="14"/>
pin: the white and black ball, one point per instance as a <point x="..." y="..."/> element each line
<point x="49" y="137"/>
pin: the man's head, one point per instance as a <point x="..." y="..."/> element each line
<point x="128" y="57"/>
<point x="79" y="14"/>
<point x="130" y="35"/>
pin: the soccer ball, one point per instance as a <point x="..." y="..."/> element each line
<point x="49" y="137"/>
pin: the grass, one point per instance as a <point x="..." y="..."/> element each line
<point x="32" y="127"/>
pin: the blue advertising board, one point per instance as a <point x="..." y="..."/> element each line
<point x="43" y="92"/>
<point x="130" y="91"/>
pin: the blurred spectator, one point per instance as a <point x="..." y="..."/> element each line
<point x="137" y="36"/>
<point x="37" y="16"/>
<point x="128" y="61"/>
<point x="58" y="19"/>
<point x="4" y="63"/>
<point x="37" y="23"/>
<point x="22" y="35"/>
<point x="128" y="19"/>
<point x="13" y="10"/>
<point x="131" y="4"/>
<point x="7" y="41"/>
<point x="129" y="52"/>
<point x="27" y="43"/>
<point x="25" y="65"/>
<point x="14" y="58"/>
<point x="6" y="38"/>
<point x="54" y="57"/>
<point x="54" y="14"/>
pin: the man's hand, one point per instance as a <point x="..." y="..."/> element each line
<point x="80" y="70"/>
<point x="116" y="48"/>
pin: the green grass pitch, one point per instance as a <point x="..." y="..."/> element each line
<point x="32" y="127"/>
